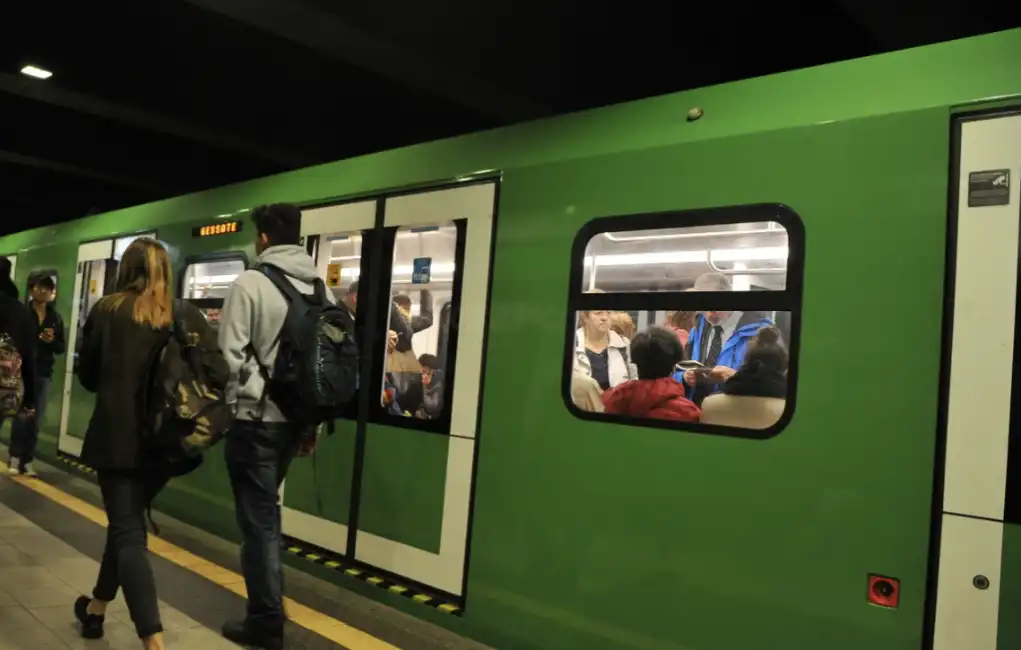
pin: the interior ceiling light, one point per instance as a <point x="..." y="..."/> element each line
<point x="38" y="73"/>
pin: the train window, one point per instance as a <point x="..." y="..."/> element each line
<point x="339" y="260"/>
<point x="687" y="320"/>
<point x="121" y="243"/>
<point x="423" y="294"/>
<point x="206" y="283"/>
<point x="211" y="279"/>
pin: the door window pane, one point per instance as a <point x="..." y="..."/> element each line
<point x="421" y="298"/>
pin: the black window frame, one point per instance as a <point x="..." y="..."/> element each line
<point x="191" y="260"/>
<point x="789" y="300"/>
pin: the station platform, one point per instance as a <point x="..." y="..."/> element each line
<point x="52" y="532"/>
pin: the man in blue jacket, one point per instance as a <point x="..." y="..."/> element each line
<point x="718" y="341"/>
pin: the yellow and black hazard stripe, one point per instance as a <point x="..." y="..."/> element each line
<point x="75" y="463"/>
<point x="339" y="564"/>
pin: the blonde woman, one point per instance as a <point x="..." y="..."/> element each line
<point x="621" y="323"/>
<point x="122" y="335"/>
<point x="601" y="353"/>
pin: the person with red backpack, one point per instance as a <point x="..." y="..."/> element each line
<point x="18" y="333"/>
<point x="293" y="365"/>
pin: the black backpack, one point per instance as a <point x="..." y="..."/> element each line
<point x="184" y="399"/>
<point x="315" y="375"/>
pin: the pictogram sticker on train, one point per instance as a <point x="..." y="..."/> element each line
<point x="989" y="188"/>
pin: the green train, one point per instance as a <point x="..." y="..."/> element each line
<point x="870" y="208"/>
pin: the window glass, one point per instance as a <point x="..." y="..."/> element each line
<point x="97" y="278"/>
<point x="339" y="260"/>
<point x="649" y="347"/>
<point x="418" y="324"/>
<point x="121" y="244"/>
<point x="211" y="279"/>
<point x="751" y="256"/>
<point x="209" y="282"/>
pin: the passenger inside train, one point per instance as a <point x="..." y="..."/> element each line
<point x="655" y="394"/>
<point x="674" y="365"/>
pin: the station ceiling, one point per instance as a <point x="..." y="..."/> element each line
<point x="164" y="97"/>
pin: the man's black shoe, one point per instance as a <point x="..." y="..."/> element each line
<point x="255" y="636"/>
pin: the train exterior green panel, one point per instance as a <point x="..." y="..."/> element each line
<point x="595" y="534"/>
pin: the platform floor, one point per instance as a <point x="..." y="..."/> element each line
<point x="52" y="532"/>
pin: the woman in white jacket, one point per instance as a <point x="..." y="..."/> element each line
<point x="601" y="353"/>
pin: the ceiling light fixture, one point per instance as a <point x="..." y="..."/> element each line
<point x="38" y="73"/>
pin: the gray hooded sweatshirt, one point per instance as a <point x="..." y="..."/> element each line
<point x="250" y="323"/>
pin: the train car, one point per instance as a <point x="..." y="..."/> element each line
<point x="869" y="208"/>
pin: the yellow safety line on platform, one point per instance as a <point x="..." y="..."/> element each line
<point x="306" y="617"/>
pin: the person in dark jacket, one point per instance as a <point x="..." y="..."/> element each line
<point x="49" y="343"/>
<point x="655" y="394"/>
<point x="17" y="324"/>
<point x="123" y="332"/>
<point x="431" y="406"/>
<point x="402" y="363"/>
<point x="755" y="397"/>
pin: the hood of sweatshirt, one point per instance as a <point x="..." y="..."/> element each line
<point x="292" y="260"/>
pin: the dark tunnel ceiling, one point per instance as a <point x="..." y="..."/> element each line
<point x="153" y="99"/>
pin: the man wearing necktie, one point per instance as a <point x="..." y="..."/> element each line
<point x="718" y="341"/>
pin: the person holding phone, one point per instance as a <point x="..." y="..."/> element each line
<point x="49" y="344"/>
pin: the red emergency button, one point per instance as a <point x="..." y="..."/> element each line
<point x="884" y="592"/>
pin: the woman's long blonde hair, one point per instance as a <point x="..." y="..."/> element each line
<point x="144" y="272"/>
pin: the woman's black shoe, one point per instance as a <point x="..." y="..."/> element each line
<point x="92" y="624"/>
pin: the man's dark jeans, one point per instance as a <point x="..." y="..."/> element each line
<point x="258" y="455"/>
<point x="25" y="431"/>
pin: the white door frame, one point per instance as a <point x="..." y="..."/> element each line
<point x="90" y="252"/>
<point x="978" y="411"/>
<point x="445" y="570"/>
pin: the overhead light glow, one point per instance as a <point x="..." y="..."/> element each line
<point x="691" y="256"/>
<point x="38" y="73"/>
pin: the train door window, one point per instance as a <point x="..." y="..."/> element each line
<point x="422" y="297"/>
<point x="338" y="259"/>
<point x="205" y="283"/>
<point x="710" y="309"/>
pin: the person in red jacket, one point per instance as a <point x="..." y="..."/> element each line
<point x="655" y="394"/>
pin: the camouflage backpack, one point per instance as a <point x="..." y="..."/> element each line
<point x="12" y="390"/>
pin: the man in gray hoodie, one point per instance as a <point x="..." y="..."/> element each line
<point x="262" y="443"/>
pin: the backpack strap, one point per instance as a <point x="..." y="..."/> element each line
<point x="177" y="327"/>
<point x="290" y="294"/>
<point x="277" y="277"/>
